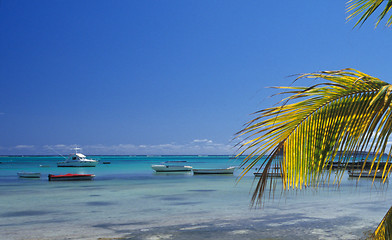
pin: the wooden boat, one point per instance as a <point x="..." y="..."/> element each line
<point x="171" y="166"/>
<point x="70" y="177"/>
<point x="29" y="174"/>
<point x="365" y="173"/>
<point x="229" y="170"/>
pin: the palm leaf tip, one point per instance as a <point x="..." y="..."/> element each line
<point x="384" y="229"/>
<point x="364" y="9"/>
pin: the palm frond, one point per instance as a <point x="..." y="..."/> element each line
<point x="350" y="112"/>
<point x="384" y="229"/>
<point x="367" y="8"/>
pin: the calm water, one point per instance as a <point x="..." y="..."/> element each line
<point x="127" y="199"/>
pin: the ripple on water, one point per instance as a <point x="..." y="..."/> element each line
<point x="185" y="203"/>
<point x="99" y="203"/>
<point x="25" y="213"/>
<point x="173" y="198"/>
<point x="202" y="190"/>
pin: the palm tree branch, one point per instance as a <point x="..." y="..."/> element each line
<point x="330" y="117"/>
<point x="367" y="8"/>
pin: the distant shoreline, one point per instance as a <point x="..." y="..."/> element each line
<point x="127" y="155"/>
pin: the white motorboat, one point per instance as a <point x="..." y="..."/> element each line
<point x="77" y="160"/>
<point x="171" y="166"/>
<point x="229" y="170"/>
<point x="365" y="173"/>
<point x="29" y="174"/>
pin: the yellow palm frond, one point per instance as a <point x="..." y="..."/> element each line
<point x="349" y="112"/>
<point x="367" y="8"/>
<point x="384" y="229"/>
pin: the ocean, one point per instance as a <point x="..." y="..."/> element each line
<point x="128" y="200"/>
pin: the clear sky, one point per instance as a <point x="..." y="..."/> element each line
<point x="163" y="77"/>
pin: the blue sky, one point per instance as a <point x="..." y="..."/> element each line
<point x="162" y="77"/>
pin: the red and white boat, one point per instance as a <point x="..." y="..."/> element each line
<point x="70" y="177"/>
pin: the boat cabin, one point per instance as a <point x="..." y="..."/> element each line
<point x="77" y="156"/>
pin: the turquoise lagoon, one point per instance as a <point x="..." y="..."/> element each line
<point x="128" y="200"/>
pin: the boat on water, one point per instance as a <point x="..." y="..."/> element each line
<point x="229" y="170"/>
<point x="29" y="174"/>
<point x="77" y="160"/>
<point x="71" y="177"/>
<point x="365" y="173"/>
<point x="172" y="166"/>
<point x="270" y="174"/>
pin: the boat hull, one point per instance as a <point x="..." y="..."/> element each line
<point x="77" y="164"/>
<point x="365" y="173"/>
<point x="71" y="177"/>
<point x="229" y="170"/>
<point x="168" y="168"/>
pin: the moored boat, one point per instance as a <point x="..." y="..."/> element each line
<point x="77" y="160"/>
<point x="229" y="170"/>
<point x="29" y="174"/>
<point x="171" y="166"/>
<point x="270" y="174"/>
<point x="365" y="173"/>
<point x="70" y="177"/>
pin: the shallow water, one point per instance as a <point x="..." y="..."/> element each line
<point x="127" y="199"/>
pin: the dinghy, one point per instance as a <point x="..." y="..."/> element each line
<point x="229" y="170"/>
<point x="172" y="166"/>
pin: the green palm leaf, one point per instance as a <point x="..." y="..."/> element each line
<point x="367" y="8"/>
<point x="348" y="113"/>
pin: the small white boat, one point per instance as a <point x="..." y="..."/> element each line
<point x="77" y="160"/>
<point x="365" y="173"/>
<point x="229" y="170"/>
<point x="29" y="174"/>
<point x="171" y="166"/>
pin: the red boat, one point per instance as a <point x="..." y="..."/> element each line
<point x="70" y="177"/>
